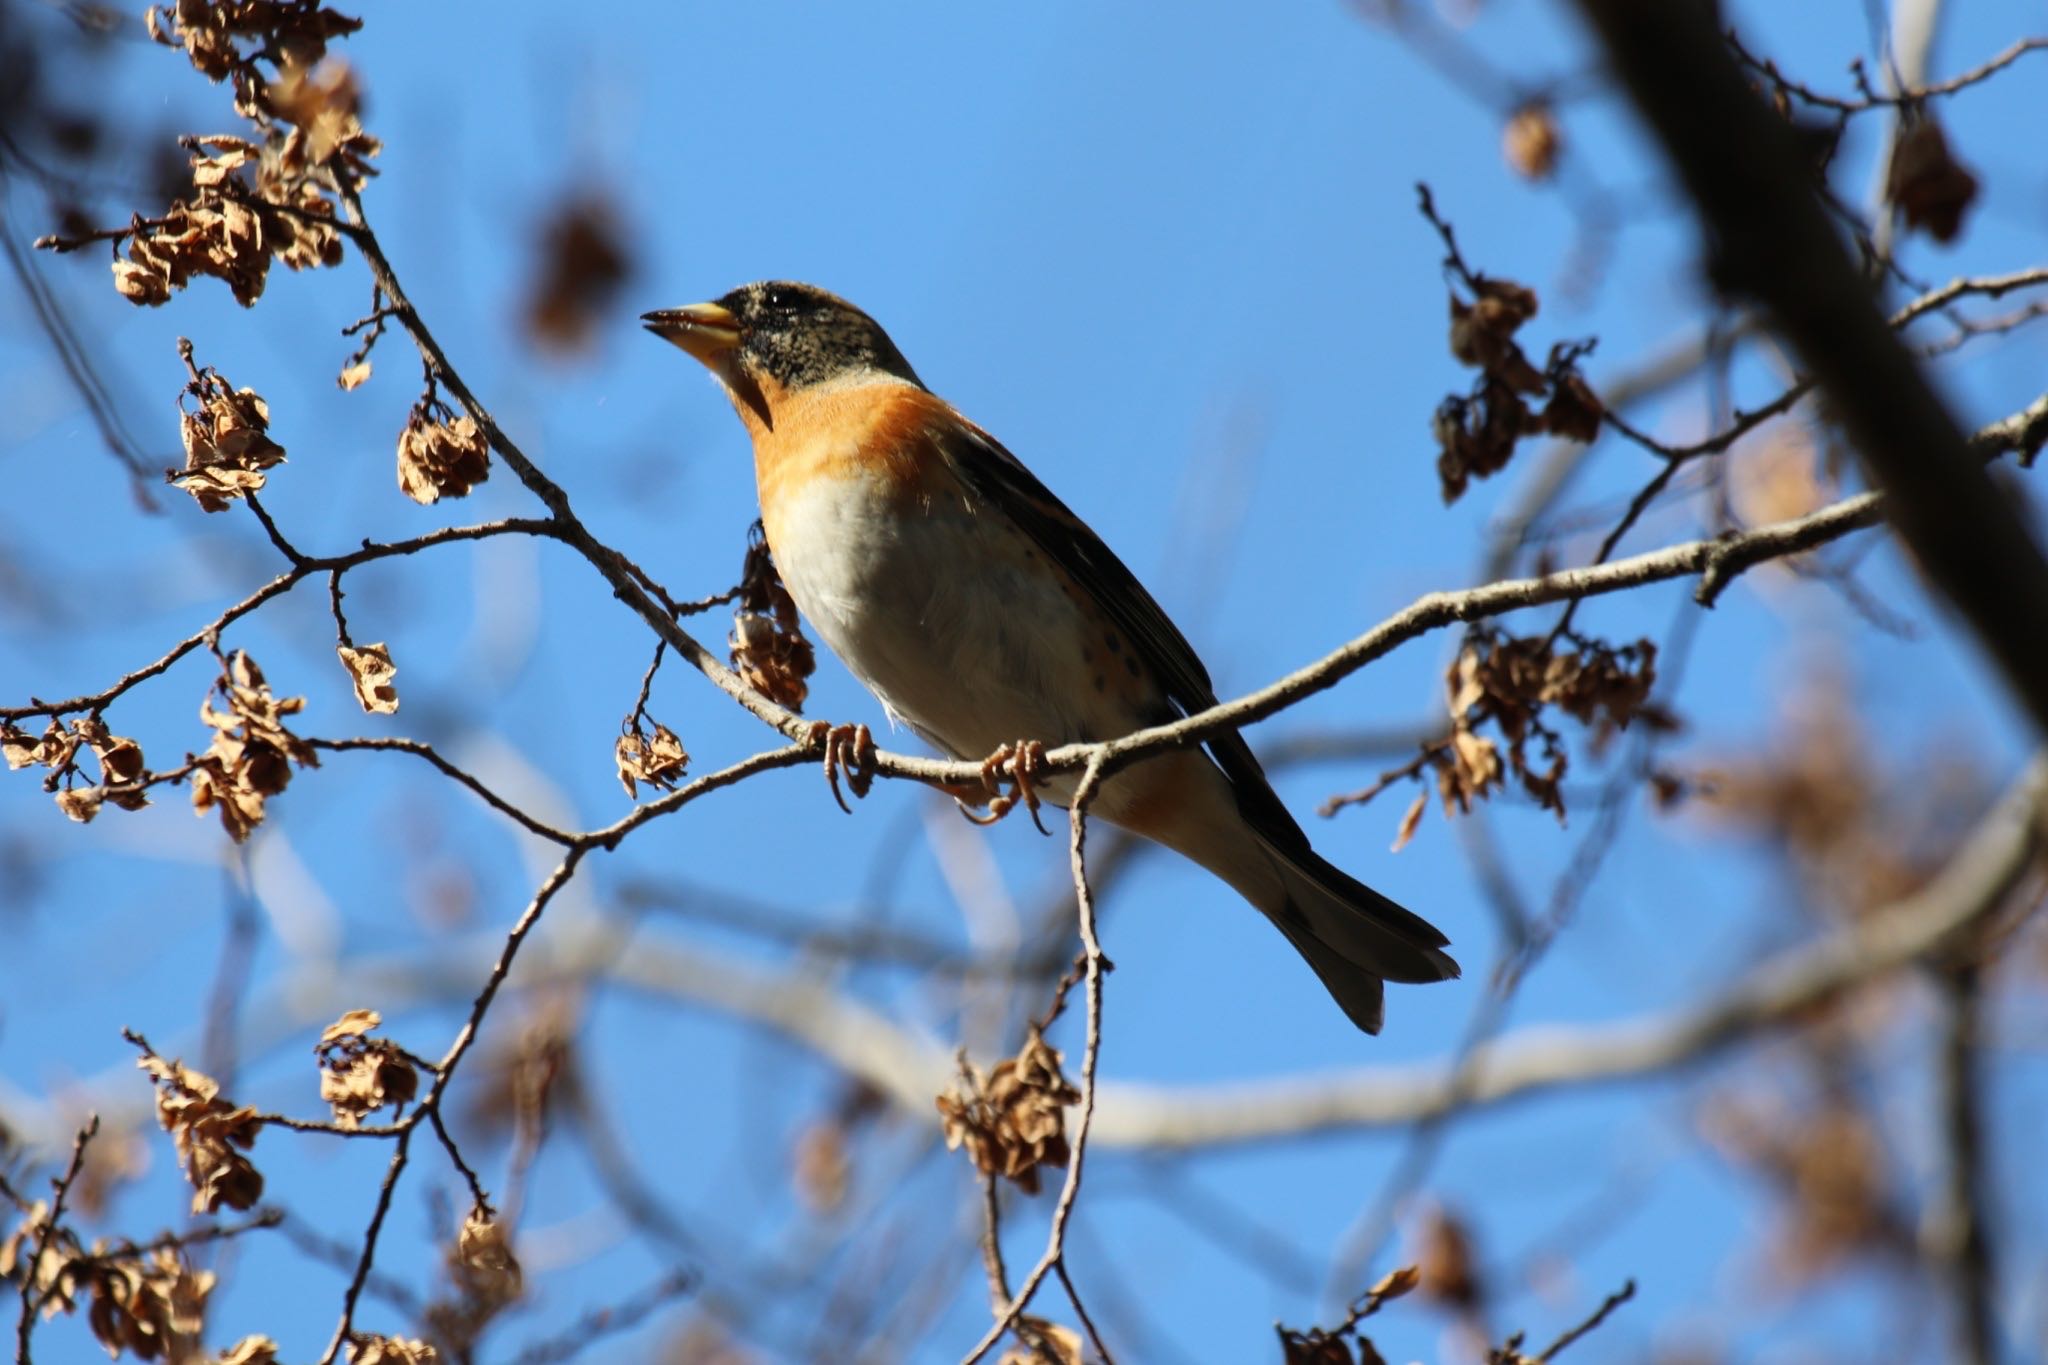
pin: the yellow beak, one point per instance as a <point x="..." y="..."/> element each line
<point x="705" y="330"/>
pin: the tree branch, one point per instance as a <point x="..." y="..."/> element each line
<point x="1771" y="238"/>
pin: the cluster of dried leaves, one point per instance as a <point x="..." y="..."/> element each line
<point x="251" y="201"/>
<point x="1013" y="1119"/>
<point x="658" y="759"/>
<point x="149" y="1304"/>
<point x="768" y="645"/>
<point x="226" y="434"/>
<point x="210" y="1133"/>
<point x="1476" y="432"/>
<point x="1826" y="1162"/>
<point x="359" y="1074"/>
<point x="1509" y="682"/>
<point x="252" y="752"/>
<point x="1345" y="1344"/>
<point x="440" y="455"/>
<point x="122" y="771"/>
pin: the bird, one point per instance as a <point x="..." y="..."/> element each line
<point x="977" y="608"/>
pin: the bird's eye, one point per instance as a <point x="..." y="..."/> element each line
<point x="782" y="300"/>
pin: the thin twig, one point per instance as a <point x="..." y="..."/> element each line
<point x="1096" y="966"/>
<point x="283" y="583"/>
<point x="31" y="1270"/>
<point x="421" y="749"/>
<point x="1612" y="1302"/>
<point x="1871" y="99"/>
<point x="992" y="1237"/>
<point x="366" y="1259"/>
<point x="480" y="1201"/>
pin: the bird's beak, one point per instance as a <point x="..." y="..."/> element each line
<point x="705" y="330"/>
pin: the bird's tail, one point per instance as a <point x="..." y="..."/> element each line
<point x="1355" y="938"/>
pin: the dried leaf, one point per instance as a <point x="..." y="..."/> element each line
<point x="1013" y="1121"/>
<point x="658" y="760"/>
<point x="1044" y="1343"/>
<point x="1447" y="1269"/>
<point x="1929" y="187"/>
<point x="441" y="459"/>
<point x="354" y="1024"/>
<point x="254" y="1350"/>
<point x="206" y="1130"/>
<point x="1530" y="142"/>
<point x="375" y="1350"/>
<point x="371" y="669"/>
<point x="19" y="750"/>
<point x="227" y="446"/>
<point x="767" y="642"/>
<point x="1396" y="1283"/>
<point x="823" y="1171"/>
<point x="1574" y="410"/>
<point x="252" y="753"/>
<point x="1314" y="1348"/>
<point x="355" y="376"/>
<point x="490" y="1272"/>
<point x="1410" y="822"/>
<point x="584" y="262"/>
<point x="80" y="803"/>
<point x="360" y="1075"/>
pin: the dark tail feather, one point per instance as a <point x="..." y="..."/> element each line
<point x="1361" y="995"/>
<point x="1354" y="937"/>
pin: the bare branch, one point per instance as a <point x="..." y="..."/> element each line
<point x="283" y="583"/>
<point x="421" y="749"/>
<point x="367" y="1257"/>
<point x="1955" y="1232"/>
<point x="1773" y="238"/>
<point x="1612" y="1302"/>
<point x="25" y="1325"/>
<point x="1096" y="966"/>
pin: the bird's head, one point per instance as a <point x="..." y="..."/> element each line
<point x="764" y="341"/>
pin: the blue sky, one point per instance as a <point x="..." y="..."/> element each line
<point x="1175" y="265"/>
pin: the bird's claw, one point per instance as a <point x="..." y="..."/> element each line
<point x="1020" y="765"/>
<point x="849" y="749"/>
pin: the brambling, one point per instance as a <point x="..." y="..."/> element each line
<point x="978" y="609"/>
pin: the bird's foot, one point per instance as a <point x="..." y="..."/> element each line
<point x="849" y="749"/>
<point x="1019" y="765"/>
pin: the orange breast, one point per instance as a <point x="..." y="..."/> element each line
<point x="879" y="433"/>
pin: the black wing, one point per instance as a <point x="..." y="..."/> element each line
<point x="994" y="474"/>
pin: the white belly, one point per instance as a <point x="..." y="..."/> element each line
<point x="972" y="649"/>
